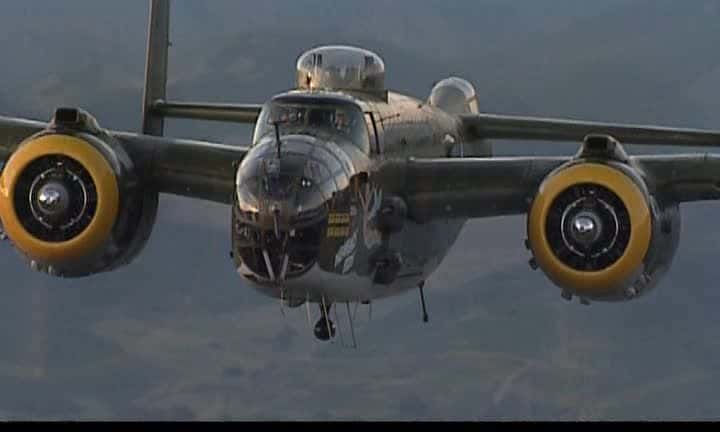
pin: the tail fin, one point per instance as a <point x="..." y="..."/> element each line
<point x="155" y="104"/>
<point x="156" y="66"/>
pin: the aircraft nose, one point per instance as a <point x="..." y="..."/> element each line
<point x="280" y="193"/>
<point x="283" y="200"/>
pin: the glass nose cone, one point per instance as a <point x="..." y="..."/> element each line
<point x="281" y="213"/>
<point x="277" y="192"/>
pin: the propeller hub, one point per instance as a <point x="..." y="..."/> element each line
<point x="53" y="198"/>
<point x="586" y="228"/>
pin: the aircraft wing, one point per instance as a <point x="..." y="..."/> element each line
<point x="196" y="169"/>
<point x="14" y="130"/>
<point x="469" y="187"/>
<point x="488" y="187"/>
<point x="682" y="178"/>
<point x="494" y="126"/>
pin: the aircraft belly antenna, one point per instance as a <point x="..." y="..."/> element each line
<point x="421" y="285"/>
<point x="339" y="328"/>
<point x="357" y="305"/>
<point x="282" y="302"/>
<point x="352" y="324"/>
<point x="327" y="320"/>
<point x="307" y="308"/>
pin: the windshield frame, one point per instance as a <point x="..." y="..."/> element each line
<point x="357" y="135"/>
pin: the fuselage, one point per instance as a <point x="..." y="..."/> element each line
<point x="306" y="213"/>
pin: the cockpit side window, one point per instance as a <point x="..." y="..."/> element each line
<point x="344" y="123"/>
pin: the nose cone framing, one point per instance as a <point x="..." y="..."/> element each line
<point x="283" y="199"/>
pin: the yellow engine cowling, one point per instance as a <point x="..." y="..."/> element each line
<point x="590" y="228"/>
<point x="58" y="149"/>
<point x="71" y="203"/>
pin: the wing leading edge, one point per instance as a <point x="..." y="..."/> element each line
<point x="13" y="131"/>
<point x="489" y="187"/>
<point x="494" y="126"/>
<point x="434" y="188"/>
<point x="470" y="187"/>
<point x="191" y="168"/>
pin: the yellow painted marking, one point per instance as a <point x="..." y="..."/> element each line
<point x="338" y="218"/>
<point x="338" y="232"/>
<point x="106" y="185"/>
<point x="591" y="282"/>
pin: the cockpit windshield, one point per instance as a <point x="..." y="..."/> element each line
<point x="341" y="122"/>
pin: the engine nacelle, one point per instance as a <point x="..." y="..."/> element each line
<point x="596" y="231"/>
<point x="70" y="200"/>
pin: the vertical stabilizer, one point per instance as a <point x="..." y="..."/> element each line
<point x="156" y="65"/>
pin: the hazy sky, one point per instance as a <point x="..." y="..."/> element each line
<point x="178" y="335"/>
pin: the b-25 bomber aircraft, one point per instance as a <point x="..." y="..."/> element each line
<point x="350" y="192"/>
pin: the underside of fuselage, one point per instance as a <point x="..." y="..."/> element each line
<point x="351" y="272"/>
